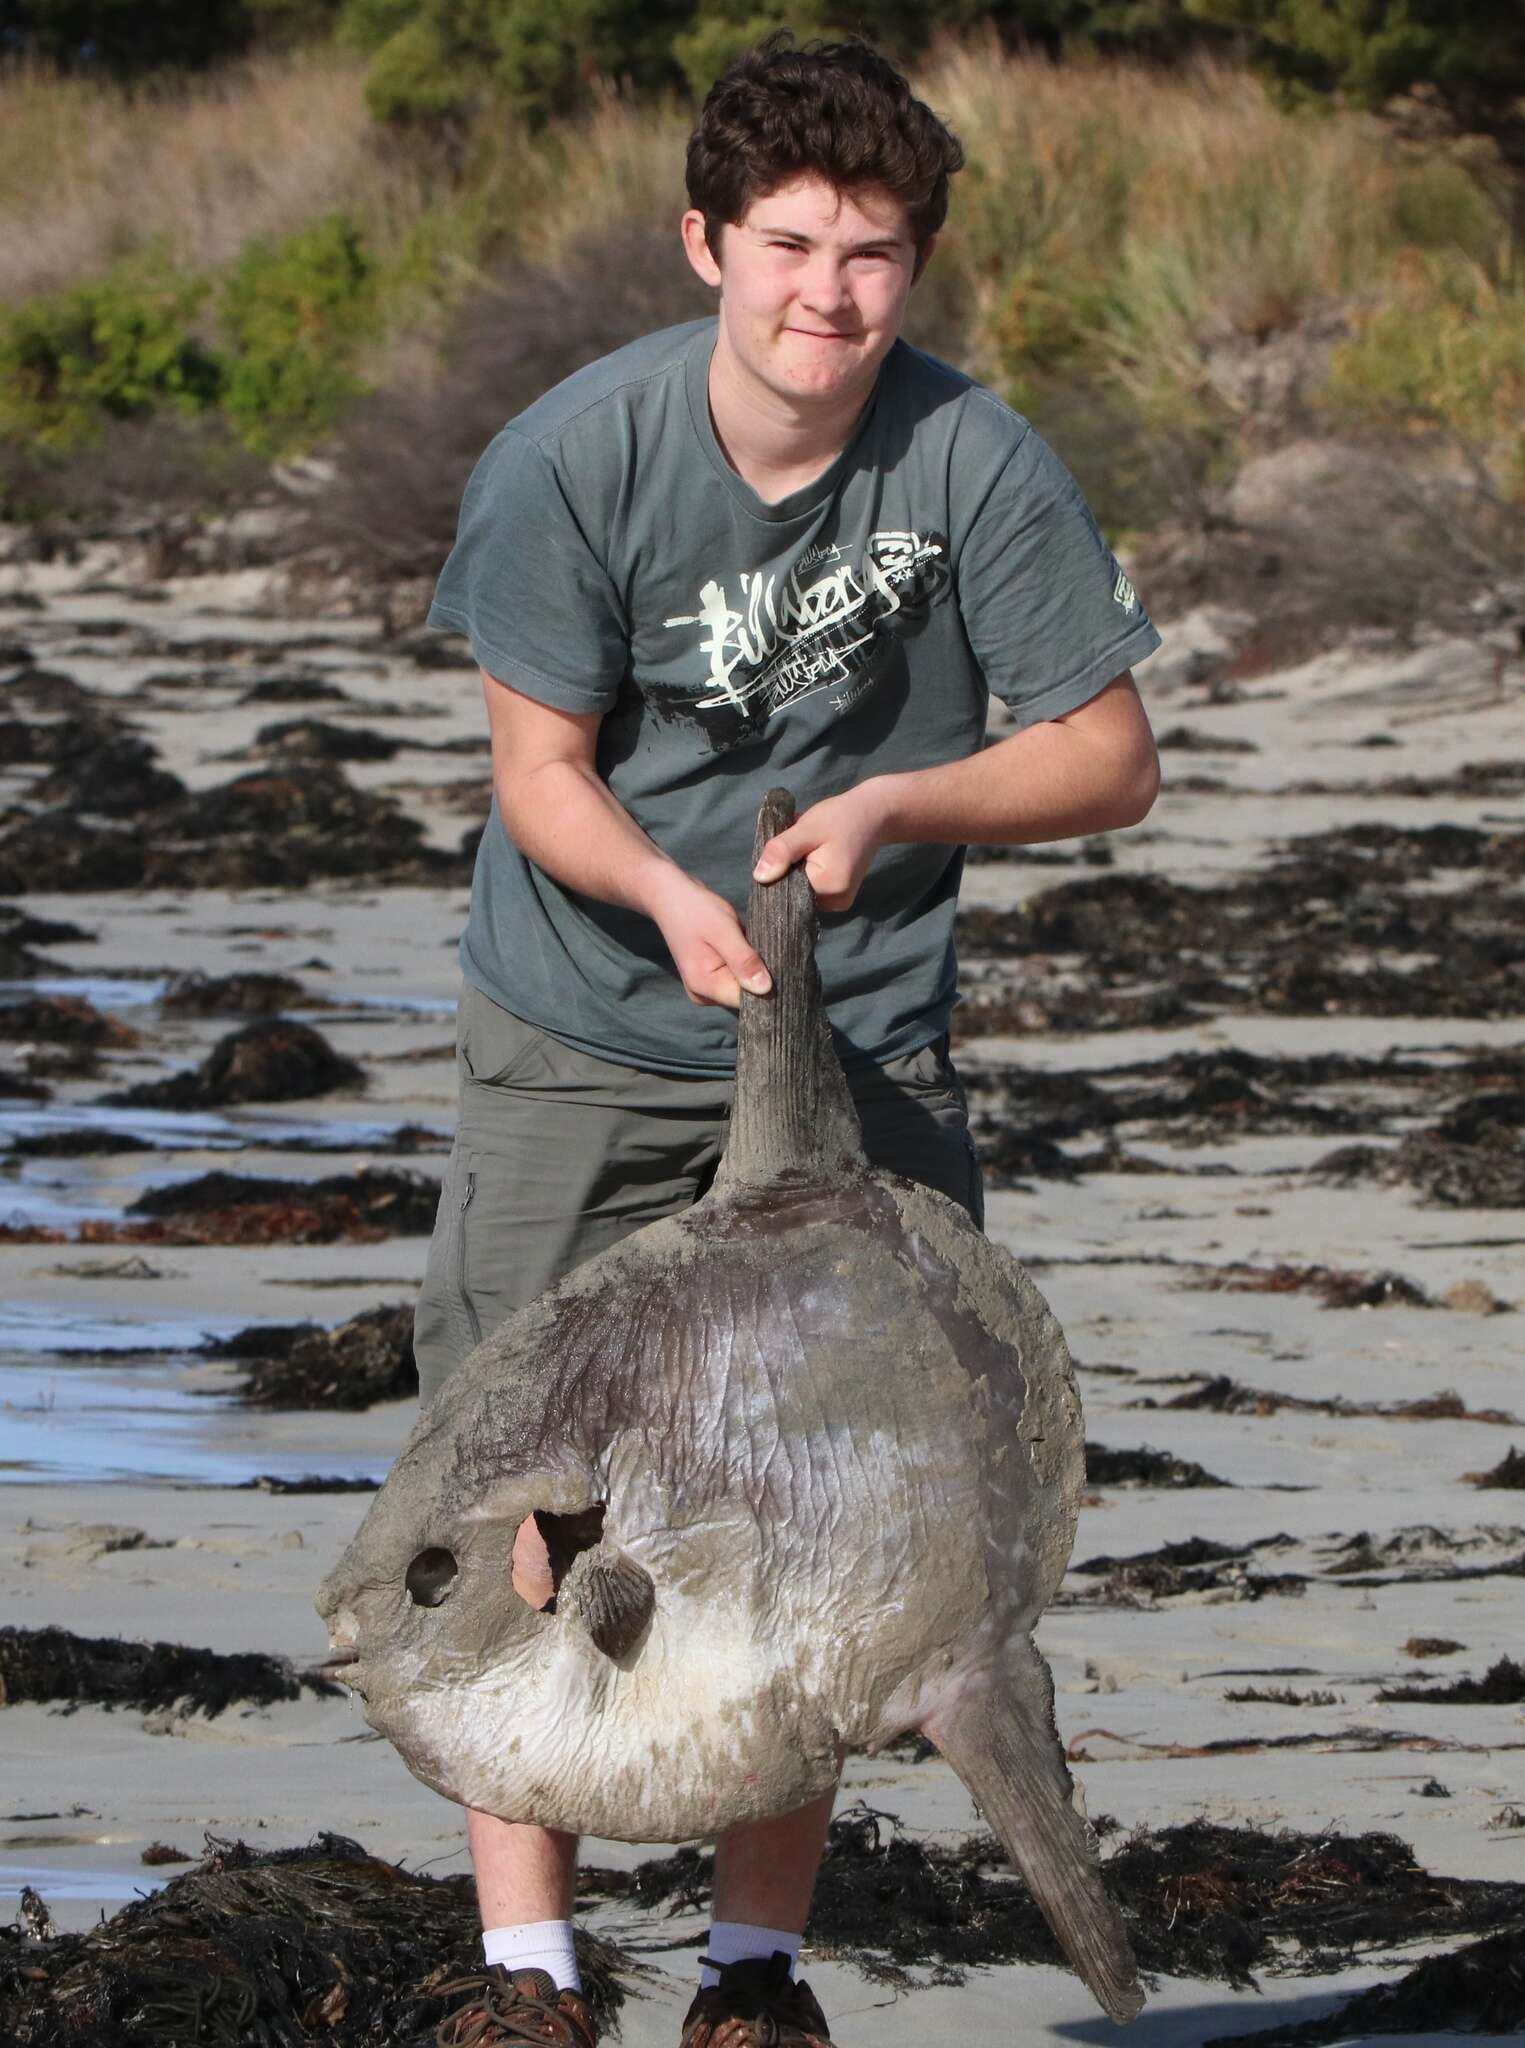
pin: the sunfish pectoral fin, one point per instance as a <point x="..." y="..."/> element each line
<point x="608" y="1596"/>
<point x="1002" y="1742"/>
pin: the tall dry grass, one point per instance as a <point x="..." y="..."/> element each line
<point x="1171" y="212"/>
<point x="91" y="172"/>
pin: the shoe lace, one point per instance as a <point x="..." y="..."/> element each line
<point x="502" y="2012"/>
<point x="762" y="1991"/>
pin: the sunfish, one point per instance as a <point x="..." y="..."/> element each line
<point x="806" y="1459"/>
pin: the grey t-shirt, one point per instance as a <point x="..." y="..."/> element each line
<point x="610" y="560"/>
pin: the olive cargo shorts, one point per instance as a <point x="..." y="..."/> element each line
<point x="559" y="1154"/>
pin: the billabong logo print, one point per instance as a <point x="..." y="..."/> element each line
<point x="827" y="623"/>
<point x="1123" y="593"/>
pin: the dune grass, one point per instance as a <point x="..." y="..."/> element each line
<point x="91" y="173"/>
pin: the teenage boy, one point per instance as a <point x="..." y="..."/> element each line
<point x="779" y="546"/>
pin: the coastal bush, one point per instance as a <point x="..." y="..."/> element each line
<point x="296" y="314"/>
<point x="394" y="498"/>
<point x="1442" y="358"/>
<point x="119" y="348"/>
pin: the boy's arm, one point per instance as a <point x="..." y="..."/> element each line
<point x="560" y="813"/>
<point x="1090" y="770"/>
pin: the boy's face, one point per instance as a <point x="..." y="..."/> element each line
<point x="813" y="287"/>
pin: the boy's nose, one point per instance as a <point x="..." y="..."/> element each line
<point x="825" y="290"/>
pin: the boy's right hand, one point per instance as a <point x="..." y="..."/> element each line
<point x="713" y="955"/>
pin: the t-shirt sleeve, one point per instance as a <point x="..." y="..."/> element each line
<point x="526" y="586"/>
<point x="1050" y="615"/>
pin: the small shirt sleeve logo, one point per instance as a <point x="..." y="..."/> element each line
<point x="1124" y="594"/>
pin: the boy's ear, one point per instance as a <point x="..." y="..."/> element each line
<point x="697" y="249"/>
<point x="923" y="258"/>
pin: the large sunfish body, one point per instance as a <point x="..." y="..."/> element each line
<point x="806" y="1458"/>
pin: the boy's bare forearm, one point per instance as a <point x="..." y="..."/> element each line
<point x="562" y="816"/>
<point x="1052" y="781"/>
<point x="1091" y="771"/>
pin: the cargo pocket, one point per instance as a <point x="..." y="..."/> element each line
<point x="463" y="1195"/>
<point x="442" y="1328"/>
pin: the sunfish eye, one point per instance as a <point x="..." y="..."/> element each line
<point x="429" y="1577"/>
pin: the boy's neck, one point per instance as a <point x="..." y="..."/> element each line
<point x="776" y="446"/>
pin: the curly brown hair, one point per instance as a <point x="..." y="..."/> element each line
<point x="839" y="111"/>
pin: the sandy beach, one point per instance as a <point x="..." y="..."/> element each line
<point x="1176" y="1235"/>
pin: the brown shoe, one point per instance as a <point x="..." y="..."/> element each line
<point x="524" y="2007"/>
<point x="756" y="2004"/>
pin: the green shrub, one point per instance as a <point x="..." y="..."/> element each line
<point x="119" y="348"/>
<point x="1444" y="357"/>
<point x="296" y="314"/>
<point x="416" y="77"/>
<point x="722" y="32"/>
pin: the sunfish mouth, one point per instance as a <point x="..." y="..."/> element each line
<point x="338" y="1663"/>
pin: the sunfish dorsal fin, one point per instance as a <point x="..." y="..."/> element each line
<point x="794" y="1116"/>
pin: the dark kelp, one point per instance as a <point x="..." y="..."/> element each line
<point x="1502" y="1685"/>
<point x="1201" y="1900"/>
<point x="1479" y="1989"/>
<point x="274" y="1059"/>
<point x="1111" y="1465"/>
<point x="368" y="1359"/>
<point x="54" y="1664"/>
<point x="323" y="1943"/>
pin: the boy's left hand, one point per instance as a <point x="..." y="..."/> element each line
<point x="836" y="839"/>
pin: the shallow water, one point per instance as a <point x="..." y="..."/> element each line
<point x="32" y="1329"/>
<point x="110" y="1423"/>
<point x="56" y="1882"/>
<point x="168" y="1130"/>
<point x="129" y="992"/>
<point x="105" y="991"/>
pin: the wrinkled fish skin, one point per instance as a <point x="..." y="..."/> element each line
<point x="835" y="1439"/>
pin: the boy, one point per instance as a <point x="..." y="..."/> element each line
<point x="776" y="546"/>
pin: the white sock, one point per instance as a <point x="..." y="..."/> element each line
<point x="542" y="1945"/>
<point x="733" y="1941"/>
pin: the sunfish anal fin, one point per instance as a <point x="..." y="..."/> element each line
<point x="1003" y="1744"/>
<point x="608" y="1596"/>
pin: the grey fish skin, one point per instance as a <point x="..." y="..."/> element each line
<point x="807" y="1458"/>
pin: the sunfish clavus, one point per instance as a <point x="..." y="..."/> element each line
<point x="806" y="1459"/>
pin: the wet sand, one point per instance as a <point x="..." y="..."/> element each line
<point x="113" y="1416"/>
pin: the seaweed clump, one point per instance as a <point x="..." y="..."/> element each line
<point x="1502" y="1685"/>
<point x="49" y="1664"/>
<point x="1509" y="1471"/>
<point x="232" y="1208"/>
<point x="297" y="822"/>
<point x="318" y="1943"/>
<point x="1201" y="1900"/>
<point x="1194" y="1565"/>
<point x="253" y="993"/>
<point x="1479" y="1989"/>
<point x="272" y="1060"/>
<point x="1472" y="1158"/>
<point x="1141" y="1465"/>
<point x="296" y="1365"/>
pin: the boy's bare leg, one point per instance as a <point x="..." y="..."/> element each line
<point x="524" y="1874"/>
<point x="765" y="1869"/>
